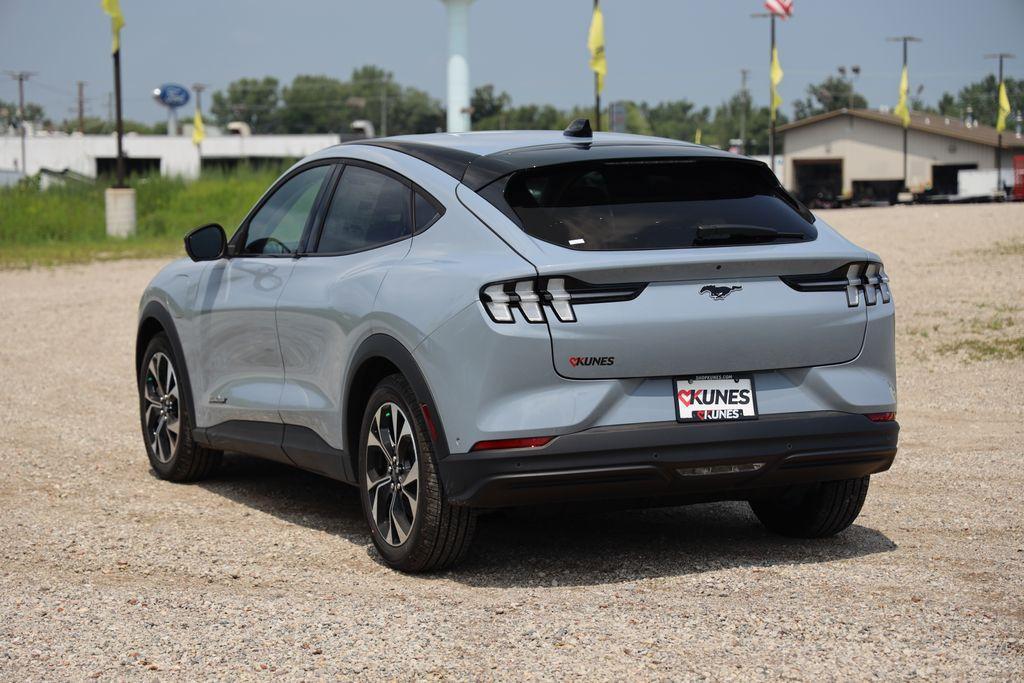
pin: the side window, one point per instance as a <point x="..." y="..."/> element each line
<point x="368" y="209"/>
<point x="277" y="227"/>
<point x="426" y="212"/>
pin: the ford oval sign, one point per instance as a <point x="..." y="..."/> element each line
<point x="173" y="95"/>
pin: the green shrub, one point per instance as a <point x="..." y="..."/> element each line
<point x="66" y="223"/>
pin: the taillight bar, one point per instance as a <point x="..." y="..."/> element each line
<point x="554" y="295"/>
<point x="504" y="444"/>
<point x="854" y="278"/>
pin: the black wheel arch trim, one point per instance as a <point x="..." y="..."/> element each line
<point x="381" y="345"/>
<point x="155" y="311"/>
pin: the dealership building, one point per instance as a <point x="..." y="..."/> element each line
<point x="857" y="154"/>
<point x="170" y="155"/>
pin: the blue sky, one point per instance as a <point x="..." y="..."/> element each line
<point x="535" y="50"/>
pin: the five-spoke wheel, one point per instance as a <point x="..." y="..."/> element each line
<point x="166" y="421"/>
<point x="162" y="416"/>
<point x="411" y="524"/>
<point x="392" y="473"/>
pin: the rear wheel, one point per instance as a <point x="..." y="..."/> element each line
<point x="411" y="524"/>
<point x="814" y="511"/>
<point x="166" y="427"/>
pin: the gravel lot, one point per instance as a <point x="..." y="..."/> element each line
<point x="107" y="572"/>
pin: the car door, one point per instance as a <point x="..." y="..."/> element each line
<point x="240" y="371"/>
<point x="327" y="306"/>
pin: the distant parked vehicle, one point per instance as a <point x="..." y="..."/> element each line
<point x="459" y="322"/>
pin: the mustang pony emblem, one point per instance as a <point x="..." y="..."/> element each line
<point x="719" y="293"/>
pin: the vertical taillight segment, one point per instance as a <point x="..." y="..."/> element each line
<point x="867" y="278"/>
<point x="538" y="298"/>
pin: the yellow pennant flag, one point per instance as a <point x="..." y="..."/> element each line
<point x="198" y="131"/>
<point x="595" y="43"/>
<point x="902" y="110"/>
<point x="776" y="77"/>
<point x="113" y="8"/>
<point x="1004" y="108"/>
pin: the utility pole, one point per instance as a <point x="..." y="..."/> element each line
<point x="384" y="108"/>
<point x="81" y="107"/>
<point x="21" y="77"/>
<point x="999" y="146"/>
<point x="906" y="130"/>
<point x="198" y="89"/>
<point x="745" y="98"/>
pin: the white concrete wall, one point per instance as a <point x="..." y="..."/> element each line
<point x="178" y="156"/>
<point x="871" y="150"/>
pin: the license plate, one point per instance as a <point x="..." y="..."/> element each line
<point x="712" y="398"/>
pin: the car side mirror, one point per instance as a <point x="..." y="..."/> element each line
<point x="206" y="243"/>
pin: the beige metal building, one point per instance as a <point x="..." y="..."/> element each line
<point x="857" y="154"/>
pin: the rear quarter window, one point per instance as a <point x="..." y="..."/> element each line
<point x="650" y="203"/>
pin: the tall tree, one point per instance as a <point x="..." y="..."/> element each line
<point x="678" y="119"/>
<point x="736" y="115"/>
<point x="831" y="94"/>
<point x="315" y="104"/>
<point x="251" y="100"/>
<point x="980" y="96"/>
<point x="34" y="114"/>
<point x="487" y="104"/>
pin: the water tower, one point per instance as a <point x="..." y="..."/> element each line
<point x="458" y="64"/>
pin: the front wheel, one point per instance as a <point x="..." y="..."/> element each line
<point x="411" y="524"/>
<point x="166" y="428"/>
<point x="814" y="511"/>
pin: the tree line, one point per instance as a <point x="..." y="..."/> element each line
<point x="325" y="104"/>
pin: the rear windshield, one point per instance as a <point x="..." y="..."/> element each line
<point x="654" y="204"/>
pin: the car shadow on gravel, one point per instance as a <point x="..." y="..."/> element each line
<point x="578" y="547"/>
<point x="581" y="547"/>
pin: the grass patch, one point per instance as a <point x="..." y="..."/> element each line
<point x="987" y="349"/>
<point x="65" y="224"/>
<point x="1015" y="248"/>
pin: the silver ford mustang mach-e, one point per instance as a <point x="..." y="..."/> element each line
<point x="453" y="322"/>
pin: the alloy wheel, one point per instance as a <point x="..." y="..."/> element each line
<point x="162" y="416"/>
<point x="392" y="473"/>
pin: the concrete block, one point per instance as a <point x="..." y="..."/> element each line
<point x="120" y="203"/>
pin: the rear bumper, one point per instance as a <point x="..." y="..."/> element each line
<point x="644" y="460"/>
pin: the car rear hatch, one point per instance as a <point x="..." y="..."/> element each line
<point x="677" y="267"/>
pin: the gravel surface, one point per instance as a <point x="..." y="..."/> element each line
<point x="107" y="572"/>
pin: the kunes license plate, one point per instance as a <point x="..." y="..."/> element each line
<point x="706" y="398"/>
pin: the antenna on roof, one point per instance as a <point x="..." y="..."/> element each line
<point x="579" y="128"/>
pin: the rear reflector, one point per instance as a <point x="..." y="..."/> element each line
<point x="425" y="409"/>
<point x="502" y="444"/>
<point x="719" y="469"/>
<point x="881" y="417"/>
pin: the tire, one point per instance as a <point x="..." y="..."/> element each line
<point x="816" y="511"/>
<point x="173" y="457"/>
<point x="412" y="525"/>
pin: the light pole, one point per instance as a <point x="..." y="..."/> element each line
<point x="904" y="40"/>
<point x="854" y="73"/>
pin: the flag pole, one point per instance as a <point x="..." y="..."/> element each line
<point x="119" y="121"/>
<point x="906" y="129"/>
<point x="771" y="97"/>
<point x="999" y="133"/>
<point x="597" y="94"/>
